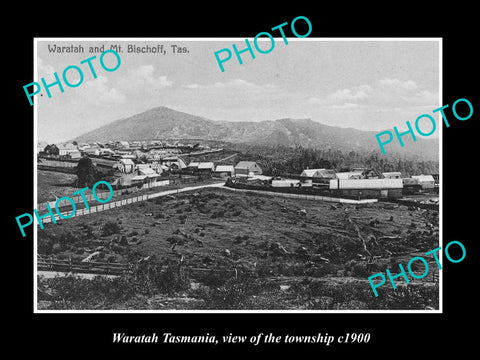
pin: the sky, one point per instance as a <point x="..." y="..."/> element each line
<point x="367" y="85"/>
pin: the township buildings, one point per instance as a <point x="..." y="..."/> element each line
<point x="139" y="162"/>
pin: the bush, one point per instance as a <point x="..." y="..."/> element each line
<point x="234" y="294"/>
<point x="110" y="228"/>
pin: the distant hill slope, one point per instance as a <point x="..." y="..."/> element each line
<point x="165" y="123"/>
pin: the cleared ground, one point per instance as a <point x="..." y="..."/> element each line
<point x="295" y="246"/>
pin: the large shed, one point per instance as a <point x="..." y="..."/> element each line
<point x="368" y="188"/>
<point x="247" y="168"/>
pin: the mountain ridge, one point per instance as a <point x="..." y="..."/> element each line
<point x="166" y="123"/>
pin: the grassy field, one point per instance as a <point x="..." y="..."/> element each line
<point x="289" y="253"/>
<point x="52" y="184"/>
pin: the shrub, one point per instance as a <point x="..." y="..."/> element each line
<point x="110" y="228"/>
<point x="234" y="294"/>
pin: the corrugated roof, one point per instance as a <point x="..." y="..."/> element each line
<point x="246" y="164"/>
<point x="347" y="175"/>
<point x="226" y="168"/>
<point x="139" y="177"/>
<point x="423" y="178"/>
<point x="206" y="165"/>
<point x="146" y="171"/>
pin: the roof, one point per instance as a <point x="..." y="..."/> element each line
<point x="392" y="173"/>
<point x="68" y="146"/>
<point x="348" y="174"/>
<point x="246" y="164"/>
<point x="147" y="171"/>
<point x="423" y="178"/>
<point x="206" y="165"/>
<point x="193" y="164"/>
<point x="127" y="161"/>
<point x="317" y="172"/>
<point x="224" y="168"/>
<point x="360" y="184"/>
<point x="309" y="172"/>
<point x="139" y="177"/>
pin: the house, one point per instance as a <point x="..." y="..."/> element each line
<point x="247" y="168"/>
<point x="426" y="181"/>
<point x="349" y="175"/>
<point x="224" y="170"/>
<point x="123" y="144"/>
<point x="91" y="150"/>
<point x="66" y="149"/>
<point x="126" y="166"/>
<point x="367" y="188"/>
<point x="392" y="175"/>
<point x="174" y="162"/>
<point x="107" y="151"/>
<point x="151" y="175"/>
<point x="367" y="173"/>
<point x="75" y="154"/>
<point x="319" y="173"/>
<point x="193" y="165"/>
<point x="411" y="186"/>
<point x="206" y="167"/>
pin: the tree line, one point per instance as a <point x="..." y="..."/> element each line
<point x="280" y="160"/>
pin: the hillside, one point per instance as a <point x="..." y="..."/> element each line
<point x="165" y="123"/>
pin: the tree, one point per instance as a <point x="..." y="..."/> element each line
<point x="87" y="172"/>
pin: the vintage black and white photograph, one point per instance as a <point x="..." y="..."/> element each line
<point x="165" y="184"/>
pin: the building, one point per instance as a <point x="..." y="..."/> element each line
<point x="123" y="144"/>
<point x="92" y="150"/>
<point x="224" y="171"/>
<point x="367" y="173"/>
<point x="319" y="173"/>
<point x="247" y="168"/>
<point x="75" y="154"/>
<point x="411" y="186"/>
<point x="66" y="149"/>
<point x="286" y="183"/>
<point x="126" y="166"/>
<point x="348" y="175"/>
<point x="367" y="188"/>
<point x="426" y="181"/>
<point x="107" y="151"/>
<point x="392" y="175"/>
<point x="193" y="165"/>
<point x="206" y="168"/>
<point x="174" y="162"/>
<point x="151" y="175"/>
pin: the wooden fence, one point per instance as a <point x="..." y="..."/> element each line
<point x="92" y="267"/>
<point x="105" y="268"/>
<point x="118" y="203"/>
<point x="305" y="196"/>
<point x="102" y="195"/>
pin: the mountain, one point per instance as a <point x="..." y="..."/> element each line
<point x="165" y="123"/>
